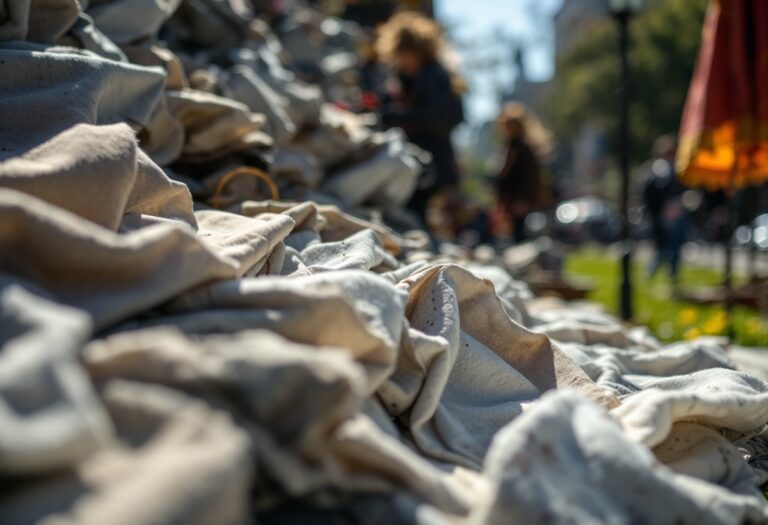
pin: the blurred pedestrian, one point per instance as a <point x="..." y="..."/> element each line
<point x="663" y="198"/>
<point x="426" y="102"/>
<point x="520" y="184"/>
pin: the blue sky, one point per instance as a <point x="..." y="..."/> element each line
<point x="491" y="24"/>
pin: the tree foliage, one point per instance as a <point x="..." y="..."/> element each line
<point x="664" y="43"/>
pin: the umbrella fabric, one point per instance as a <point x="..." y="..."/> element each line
<point x="724" y="130"/>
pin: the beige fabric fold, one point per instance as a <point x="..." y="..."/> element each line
<point x="248" y="240"/>
<point x="86" y="170"/>
<point x="244" y="85"/>
<point x="586" y="323"/>
<point x="259" y="377"/>
<point x="704" y="453"/>
<point x="85" y="35"/>
<point x="162" y="137"/>
<point x="340" y="135"/>
<point x="514" y="294"/>
<point x="42" y="21"/>
<point x="176" y="461"/>
<point x="306" y="443"/>
<point x="50" y="417"/>
<point x="215" y="126"/>
<point x="353" y="310"/>
<point x="46" y="90"/>
<point x="387" y="178"/>
<point x="98" y="173"/>
<point x="562" y="463"/>
<point x="329" y="221"/>
<point x="176" y="77"/>
<point x="111" y="276"/>
<point x="360" y="251"/>
<point x="155" y="194"/>
<point x="466" y="369"/>
<point x="621" y="369"/>
<point x="751" y="360"/>
<point x="127" y="21"/>
<point x="718" y="398"/>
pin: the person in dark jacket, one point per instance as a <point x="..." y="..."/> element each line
<point x="426" y="104"/>
<point x="519" y="183"/>
<point x="663" y="199"/>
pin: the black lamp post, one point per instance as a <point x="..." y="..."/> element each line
<point x="623" y="11"/>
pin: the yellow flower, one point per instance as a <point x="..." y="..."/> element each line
<point x="692" y="333"/>
<point x="720" y="314"/>
<point x="754" y="326"/>
<point x="687" y="316"/>
<point x="716" y="324"/>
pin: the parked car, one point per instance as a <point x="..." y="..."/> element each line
<point x="754" y="235"/>
<point x="586" y="219"/>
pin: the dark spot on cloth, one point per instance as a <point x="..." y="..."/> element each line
<point x="548" y="453"/>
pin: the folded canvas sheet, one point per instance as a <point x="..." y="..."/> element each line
<point x="328" y="221"/>
<point x="111" y="276"/>
<point x="128" y="21"/>
<point x="47" y="90"/>
<point x="322" y="443"/>
<point x="568" y="462"/>
<point x="466" y="369"/>
<point x="42" y="21"/>
<point x="388" y="178"/>
<point x="99" y="174"/>
<point x="50" y="416"/>
<point x="446" y="357"/>
<point x="178" y="461"/>
<point x="622" y="369"/>
<point x="354" y="310"/>
<point x="215" y="126"/>
<point x="249" y="241"/>
<point x="244" y="85"/>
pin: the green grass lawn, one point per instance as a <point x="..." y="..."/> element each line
<point x="669" y="319"/>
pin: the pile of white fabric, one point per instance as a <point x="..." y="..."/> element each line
<point x="163" y="361"/>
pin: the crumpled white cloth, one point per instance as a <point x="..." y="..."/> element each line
<point x="177" y="461"/>
<point x="562" y="463"/>
<point x="42" y="21"/>
<point x="127" y="21"/>
<point x="49" y="89"/>
<point x="50" y="416"/>
<point x="387" y="178"/>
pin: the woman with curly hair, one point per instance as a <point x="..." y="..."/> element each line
<point x="520" y="184"/>
<point x="427" y="105"/>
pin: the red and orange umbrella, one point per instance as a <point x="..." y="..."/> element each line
<point x="724" y="129"/>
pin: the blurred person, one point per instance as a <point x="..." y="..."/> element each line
<point x="663" y="198"/>
<point x="520" y="184"/>
<point x="426" y="102"/>
<point x="372" y="73"/>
